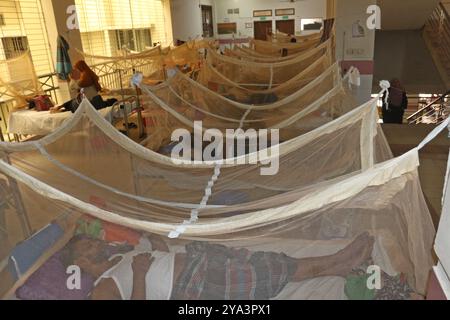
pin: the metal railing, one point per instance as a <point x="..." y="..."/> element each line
<point x="115" y="74"/>
<point x="48" y="85"/>
<point x="437" y="29"/>
<point x="434" y="112"/>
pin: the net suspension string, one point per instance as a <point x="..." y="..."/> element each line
<point x="217" y="170"/>
<point x="52" y="193"/>
<point x="137" y="78"/>
<point x="208" y="192"/>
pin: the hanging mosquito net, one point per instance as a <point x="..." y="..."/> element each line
<point x="212" y="78"/>
<point x="276" y="49"/>
<point x="281" y="37"/>
<point x="181" y="102"/>
<point x="308" y="217"/>
<point x="247" y="54"/>
<point x="18" y="79"/>
<point x="335" y="205"/>
<point x="256" y="75"/>
<point x="92" y="59"/>
<point x="115" y="72"/>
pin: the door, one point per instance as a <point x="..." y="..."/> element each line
<point x="262" y="28"/>
<point x="207" y="22"/>
<point x="286" y="26"/>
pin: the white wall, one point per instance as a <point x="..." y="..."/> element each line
<point x="187" y="22"/>
<point x="187" y="18"/>
<point x="349" y="48"/>
<point x="303" y="9"/>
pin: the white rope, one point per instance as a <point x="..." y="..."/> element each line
<point x="385" y="85"/>
<point x="208" y="193"/>
<point x="271" y="77"/>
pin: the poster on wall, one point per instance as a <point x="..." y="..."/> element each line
<point x="285" y="12"/>
<point x="358" y="30"/>
<point x="227" y="28"/>
<point x="262" y="13"/>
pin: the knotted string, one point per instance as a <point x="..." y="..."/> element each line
<point x="385" y="85"/>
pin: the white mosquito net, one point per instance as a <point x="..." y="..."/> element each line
<point x="115" y="72"/>
<point x="276" y="49"/>
<point x="258" y="75"/>
<point x="18" y="79"/>
<point x="305" y="218"/>
<point x="338" y="202"/>
<point x="181" y="101"/>
<point x="281" y="37"/>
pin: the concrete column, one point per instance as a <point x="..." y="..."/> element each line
<point x="168" y="23"/>
<point x="331" y="9"/>
<point x="355" y="42"/>
<point x="56" y="17"/>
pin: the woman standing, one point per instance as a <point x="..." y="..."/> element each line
<point x="394" y="110"/>
<point x="84" y="80"/>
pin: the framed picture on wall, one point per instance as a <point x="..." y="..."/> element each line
<point x="262" y="13"/>
<point x="285" y="12"/>
<point x="227" y="28"/>
<point x="311" y="24"/>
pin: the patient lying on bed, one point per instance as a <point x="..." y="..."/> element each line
<point x="214" y="272"/>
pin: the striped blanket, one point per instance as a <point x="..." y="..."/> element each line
<point x="215" y="272"/>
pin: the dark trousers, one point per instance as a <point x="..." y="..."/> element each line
<point x="99" y="103"/>
<point x="393" y="115"/>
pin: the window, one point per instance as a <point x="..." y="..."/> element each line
<point x="14" y="46"/>
<point x="144" y="37"/>
<point x="311" y="24"/>
<point x="125" y="39"/>
<point x="136" y="40"/>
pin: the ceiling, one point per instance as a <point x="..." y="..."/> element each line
<point x="405" y="14"/>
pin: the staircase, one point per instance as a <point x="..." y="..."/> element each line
<point x="436" y="34"/>
<point x="434" y="112"/>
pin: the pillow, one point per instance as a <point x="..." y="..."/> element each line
<point x="106" y="231"/>
<point x="28" y="252"/>
<point x="49" y="283"/>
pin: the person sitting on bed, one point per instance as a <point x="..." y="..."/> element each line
<point x="205" y="271"/>
<point x="84" y="81"/>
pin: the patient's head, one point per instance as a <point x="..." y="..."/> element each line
<point x="91" y="255"/>
<point x="75" y="74"/>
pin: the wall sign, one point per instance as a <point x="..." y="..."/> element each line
<point x="262" y="13"/>
<point x="227" y="28"/>
<point x="358" y="30"/>
<point x="285" y="12"/>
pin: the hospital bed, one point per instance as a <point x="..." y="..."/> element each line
<point x="33" y="123"/>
